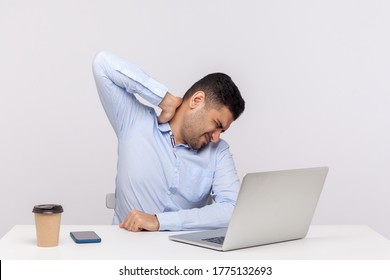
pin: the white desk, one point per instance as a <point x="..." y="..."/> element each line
<point x="322" y="242"/>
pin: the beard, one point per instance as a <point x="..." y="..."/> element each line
<point x="198" y="143"/>
<point x="193" y="130"/>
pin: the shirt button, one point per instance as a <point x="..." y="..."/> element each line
<point x="173" y="190"/>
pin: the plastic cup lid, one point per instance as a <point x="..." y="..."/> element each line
<point x="48" y="209"/>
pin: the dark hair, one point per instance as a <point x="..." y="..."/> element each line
<point x="219" y="90"/>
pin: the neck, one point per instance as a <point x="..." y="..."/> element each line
<point x="175" y="123"/>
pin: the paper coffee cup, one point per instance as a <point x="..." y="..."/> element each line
<point x="47" y="224"/>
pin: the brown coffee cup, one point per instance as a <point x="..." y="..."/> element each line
<point x="47" y="224"/>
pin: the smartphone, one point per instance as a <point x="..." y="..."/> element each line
<point x="85" y="237"/>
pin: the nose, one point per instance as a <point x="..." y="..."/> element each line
<point x="215" y="135"/>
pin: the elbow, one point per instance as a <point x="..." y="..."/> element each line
<point x="98" y="62"/>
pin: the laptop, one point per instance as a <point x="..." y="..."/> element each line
<point x="271" y="207"/>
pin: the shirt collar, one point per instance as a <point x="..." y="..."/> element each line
<point x="166" y="128"/>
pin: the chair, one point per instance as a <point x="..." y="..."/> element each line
<point x="110" y="200"/>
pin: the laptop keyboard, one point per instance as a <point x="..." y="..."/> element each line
<point x="217" y="240"/>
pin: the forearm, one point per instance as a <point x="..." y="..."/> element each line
<point x="212" y="216"/>
<point x="112" y="71"/>
<point x="117" y="80"/>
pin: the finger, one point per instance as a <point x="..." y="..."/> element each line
<point x="165" y="116"/>
<point x="136" y="228"/>
<point x="134" y="221"/>
<point x="126" y="224"/>
<point x="137" y="222"/>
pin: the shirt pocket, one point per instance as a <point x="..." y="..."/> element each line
<point x="197" y="185"/>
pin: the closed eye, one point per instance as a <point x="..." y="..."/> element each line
<point x="219" y="126"/>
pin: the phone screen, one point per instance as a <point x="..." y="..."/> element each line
<point x="85" y="237"/>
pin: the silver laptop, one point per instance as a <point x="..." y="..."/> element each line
<point x="271" y="207"/>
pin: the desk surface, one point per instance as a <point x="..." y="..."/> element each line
<point x="322" y="242"/>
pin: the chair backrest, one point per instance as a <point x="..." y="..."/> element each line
<point x="110" y="200"/>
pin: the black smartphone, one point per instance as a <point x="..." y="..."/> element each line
<point x="85" y="237"/>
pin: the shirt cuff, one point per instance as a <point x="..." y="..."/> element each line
<point x="149" y="89"/>
<point x="169" y="221"/>
<point x="157" y="88"/>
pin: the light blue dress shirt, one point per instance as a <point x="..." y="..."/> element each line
<point x="153" y="176"/>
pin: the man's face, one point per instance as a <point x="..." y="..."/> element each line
<point x="204" y="125"/>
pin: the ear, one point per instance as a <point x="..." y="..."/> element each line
<point x="197" y="100"/>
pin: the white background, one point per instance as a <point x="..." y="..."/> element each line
<point x="314" y="74"/>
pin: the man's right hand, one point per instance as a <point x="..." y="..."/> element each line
<point x="168" y="105"/>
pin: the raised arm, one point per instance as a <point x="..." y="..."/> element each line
<point x="117" y="80"/>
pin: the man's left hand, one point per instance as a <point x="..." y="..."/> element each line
<point x="138" y="220"/>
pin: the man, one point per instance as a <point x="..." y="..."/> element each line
<point x="169" y="165"/>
